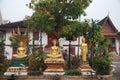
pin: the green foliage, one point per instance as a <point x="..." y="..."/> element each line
<point x="94" y="34"/>
<point x="75" y="29"/>
<point x="72" y="72"/>
<point x="4" y="64"/>
<point x="40" y="56"/>
<point x="74" y="62"/>
<point x="34" y="66"/>
<point x="2" y="45"/>
<point x="36" y="63"/>
<point x="101" y="65"/>
<point x="102" y="49"/>
<point x="51" y="14"/>
<point x="33" y="63"/>
<point x="14" y="43"/>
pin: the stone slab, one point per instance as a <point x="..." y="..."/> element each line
<point x="15" y="73"/>
<point x="53" y="73"/>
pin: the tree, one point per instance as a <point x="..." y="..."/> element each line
<point x="94" y="37"/>
<point x="52" y="15"/>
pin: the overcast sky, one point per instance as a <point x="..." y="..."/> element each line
<point x="15" y="10"/>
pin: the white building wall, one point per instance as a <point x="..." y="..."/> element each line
<point x="117" y="46"/>
<point x="63" y="41"/>
<point x="8" y="52"/>
<point x="8" y="48"/>
<point x="37" y="42"/>
<point x="44" y="39"/>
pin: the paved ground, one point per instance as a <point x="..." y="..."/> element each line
<point x="116" y="65"/>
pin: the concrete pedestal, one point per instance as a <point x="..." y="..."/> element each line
<point x="54" y="66"/>
<point x="86" y="70"/>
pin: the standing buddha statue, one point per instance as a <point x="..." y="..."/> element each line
<point x="84" y="50"/>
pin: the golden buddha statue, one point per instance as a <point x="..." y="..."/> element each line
<point x="54" y="51"/>
<point x="84" y="50"/>
<point x="21" y="51"/>
<point x="22" y="41"/>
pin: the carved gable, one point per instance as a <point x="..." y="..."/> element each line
<point x="108" y="28"/>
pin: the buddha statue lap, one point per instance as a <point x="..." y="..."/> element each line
<point x="55" y="51"/>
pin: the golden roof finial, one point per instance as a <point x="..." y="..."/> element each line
<point x="13" y="33"/>
<point x="25" y="32"/>
<point x="19" y="32"/>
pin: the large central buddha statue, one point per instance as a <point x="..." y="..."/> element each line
<point x="54" y="61"/>
<point x="54" y="51"/>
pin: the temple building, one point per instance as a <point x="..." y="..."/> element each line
<point x="108" y="30"/>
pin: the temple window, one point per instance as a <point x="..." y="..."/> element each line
<point x="36" y="35"/>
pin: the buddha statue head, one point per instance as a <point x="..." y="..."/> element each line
<point x="21" y="44"/>
<point x="54" y="42"/>
<point x="83" y="39"/>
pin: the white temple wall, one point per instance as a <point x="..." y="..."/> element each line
<point x="7" y="41"/>
<point x="44" y="39"/>
<point x="8" y="52"/>
<point x="63" y="42"/>
<point x="8" y="48"/>
<point x="117" y="46"/>
<point x="37" y="42"/>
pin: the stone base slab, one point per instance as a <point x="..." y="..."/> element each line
<point x="53" y="73"/>
<point x="15" y="73"/>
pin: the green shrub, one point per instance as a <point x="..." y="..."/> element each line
<point x="72" y="72"/>
<point x="34" y="73"/>
<point x="4" y="67"/>
<point x="101" y="66"/>
<point x="2" y="45"/>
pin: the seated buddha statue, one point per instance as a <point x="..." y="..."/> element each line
<point x="54" y="51"/>
<point x="21" y="51"/>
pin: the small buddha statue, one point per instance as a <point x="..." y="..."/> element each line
<point x="84" y="50"/>
<point x="54" y="51"/>
<point x="21" y="51"/>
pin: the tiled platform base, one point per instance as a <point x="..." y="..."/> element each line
<point x="16" y="71"/>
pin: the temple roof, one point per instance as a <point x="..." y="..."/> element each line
<point x="10" y="26"/>
<point x="104" y="20"/>
<point x="13" y="25"/>
<point x="108" y="28"/>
